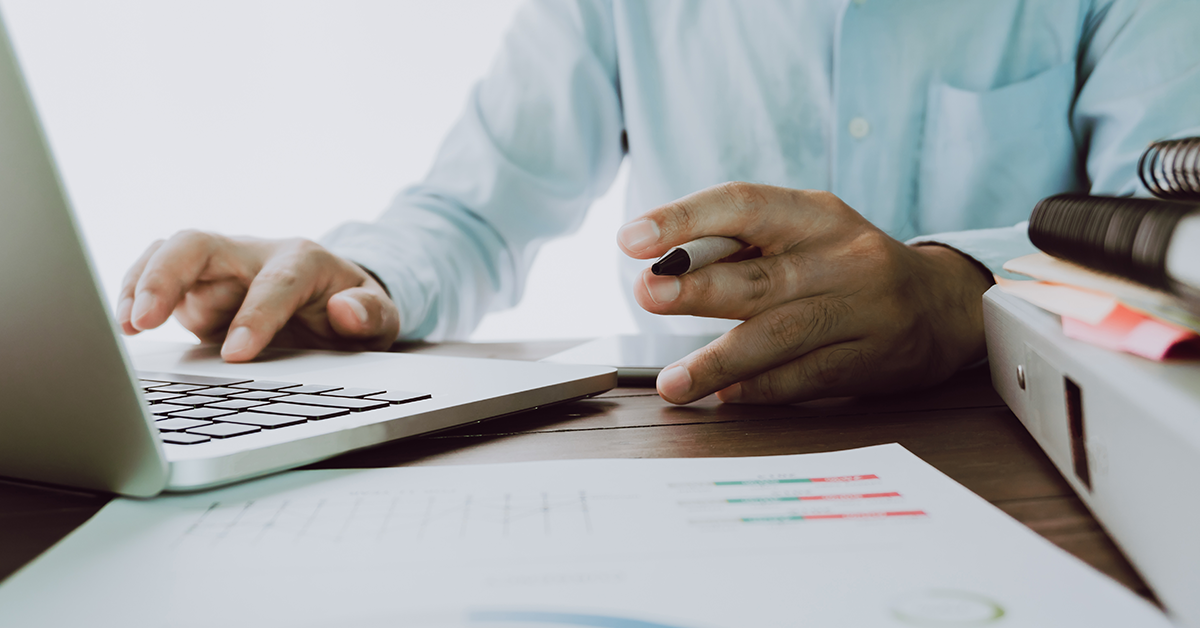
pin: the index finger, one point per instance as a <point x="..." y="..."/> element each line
<point x="286" y="282"/>
<point x="128" y="284"/>
<point x="762" y="215"/>
<point x="769" y="340"/>
<point x="175" y="267"/>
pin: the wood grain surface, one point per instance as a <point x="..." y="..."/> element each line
<point x="960" y="427"/>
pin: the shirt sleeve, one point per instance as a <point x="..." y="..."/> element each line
<point x="1138" y="72"/>
<point x="539" y="140"/>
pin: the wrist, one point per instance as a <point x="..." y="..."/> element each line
<point x="957" y="283"/>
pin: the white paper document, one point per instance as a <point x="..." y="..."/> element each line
<point x="867" y="537"/>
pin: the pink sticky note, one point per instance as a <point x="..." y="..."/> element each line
<point x="1129" y="331"/>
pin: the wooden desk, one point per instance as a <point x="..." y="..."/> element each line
<point x="961" y="427"/>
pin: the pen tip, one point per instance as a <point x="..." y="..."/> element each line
<point x="674" y="263"/>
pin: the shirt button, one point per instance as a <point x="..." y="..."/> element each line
<point x="859" y="127"/>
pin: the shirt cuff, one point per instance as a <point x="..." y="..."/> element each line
<point x="989" y="247"/>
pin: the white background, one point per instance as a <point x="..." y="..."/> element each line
<point x="279" y="119"/>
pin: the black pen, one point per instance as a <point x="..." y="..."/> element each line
<point x="695" y="255"/>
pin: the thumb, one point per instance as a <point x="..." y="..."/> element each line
<point x="364" y="314"/>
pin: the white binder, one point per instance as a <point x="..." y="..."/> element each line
<point x="1124" y="431"/>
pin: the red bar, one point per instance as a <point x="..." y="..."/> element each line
<point x="870" y="515"/>
<point x="805" y="498"/>
<point x="846" y="478"/>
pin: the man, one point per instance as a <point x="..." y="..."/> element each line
<point x="920" y="117"/>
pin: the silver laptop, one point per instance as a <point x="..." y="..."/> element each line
<point x="77" y="408"/>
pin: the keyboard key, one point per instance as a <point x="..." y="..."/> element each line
<point x="264" y="385"/>
<point x="333" y="402"/>
<point x="257" y="394"/>
<point x="196" y="400"/>
<point x="161" y="396"/>
<point x="308" y="412"/>
<point x="399" y="396"/>
<point x="236" y="404"/>
<point x="269" y="421"/>
<point x="175" y="388"/>
<point x="220" y="391"/>
<point x="356" y="392"/>
<point x="183" y="438"/>
<point x="203" y="413"/>
<point x="312" y="389"/>
<point x="179" y="425"/>
<point x="225" y="430"/>
<point x="198" y="380"/>
<point x="163" y="409"/>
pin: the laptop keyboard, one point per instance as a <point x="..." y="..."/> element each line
<point x="191" y="409"/>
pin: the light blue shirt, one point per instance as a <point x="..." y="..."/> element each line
<point x="942" y="120"/>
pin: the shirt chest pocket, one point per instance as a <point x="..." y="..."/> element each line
<point x="988" y="157"/>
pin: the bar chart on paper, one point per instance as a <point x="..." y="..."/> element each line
<point x="787" y="500"/>
<point x="429" y="516"/>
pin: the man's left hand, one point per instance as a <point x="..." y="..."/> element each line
<point x="831" y="305"/>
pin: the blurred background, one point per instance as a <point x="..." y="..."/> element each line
<point x="278" y="118"/>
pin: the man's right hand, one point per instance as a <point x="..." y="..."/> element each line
<point x="248" y="293"/>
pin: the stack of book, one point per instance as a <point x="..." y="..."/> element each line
<point x="1123" y="273"/>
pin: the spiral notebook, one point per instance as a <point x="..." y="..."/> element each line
<point x="1152" y="241"/>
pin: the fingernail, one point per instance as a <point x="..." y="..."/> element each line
<point x="360" y="312"/>
<point x="662" y="289"/>
<point x="638" y="235"/>
<point x="143" y="303"/>
<point x="674" y="382"/>
<point x="236" y="341"/>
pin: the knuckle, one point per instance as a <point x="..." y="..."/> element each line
<point x="191" y="242"/>
<point x="743" y="196"/>
<point x="873" y="242"/>
<point x="768" y="386"/>
<point x="826" y="371"/>
<point x="835" y="367"/>
<point x="680" y="219"/>
<point x="824" y="198"/>
<point x="784" y="330"/>
<point x="286" y="276"/>
<point x="791" y="328"/>
<point x="307" y="247"/>
<point x="716" y="364"/>
<point x="194" y="237"/>
<point x="307" y="252"/>
<point x="760" y="285"/>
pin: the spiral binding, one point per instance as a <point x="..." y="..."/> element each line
<point x="1122" y="236"/>
<point x="1170" y="169"/>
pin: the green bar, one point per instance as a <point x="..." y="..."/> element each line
<point x="751" y="500"/>
<point x="758" y="482"/>
<point x="772" y="519"/>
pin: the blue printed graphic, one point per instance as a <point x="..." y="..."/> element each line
<point x="566" y="619"/>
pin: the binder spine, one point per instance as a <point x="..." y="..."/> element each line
<point x="1170" y="169"/>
